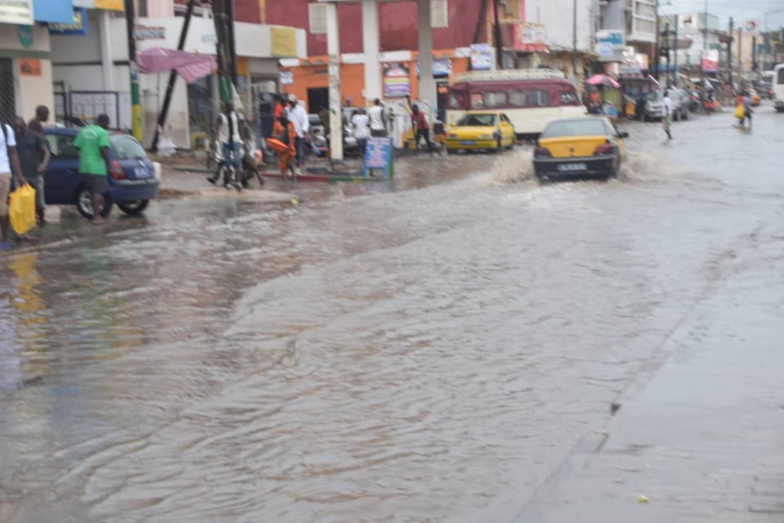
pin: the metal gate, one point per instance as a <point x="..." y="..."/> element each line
<point x="7" y="98"/>
<point x="78" y="108"/>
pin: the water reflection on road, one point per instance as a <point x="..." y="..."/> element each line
<point x="413" y="355"/>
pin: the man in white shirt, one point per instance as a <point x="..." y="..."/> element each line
<point x="9" y="161"/>
<point x="299" y="116"/>
<point x="667" y="118"/>
<point x="228" y="129"/>
<point x="378" y="120"/>
<point x="360" y="122"/>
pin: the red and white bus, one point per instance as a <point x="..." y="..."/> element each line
<point x="531" y="98"/>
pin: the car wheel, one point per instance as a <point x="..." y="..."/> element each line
<point x="133" y="208"/>
<point x="84" y="204"/>
<point x="686" y="114"/>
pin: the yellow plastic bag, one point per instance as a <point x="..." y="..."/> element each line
<point x="740" y="112"/>
<point x="21" y="209"/>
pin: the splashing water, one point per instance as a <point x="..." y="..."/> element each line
<point x="641" y="166"/>
<point x="513" y="168"/>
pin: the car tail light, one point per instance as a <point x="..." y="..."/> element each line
<point x="605" y="148"/>
<point x="540" y="152"/>
<point x="117" y="171"/>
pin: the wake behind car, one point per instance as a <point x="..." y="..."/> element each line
<point x="579" y="147"/>
<point x="481" y="130"/>
<point x="132" y="178"/>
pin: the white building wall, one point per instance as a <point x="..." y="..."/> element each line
<point x="29" y="91"/>
<point x="557" y="16"/>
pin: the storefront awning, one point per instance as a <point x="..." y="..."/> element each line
<point x="190" y="66"/>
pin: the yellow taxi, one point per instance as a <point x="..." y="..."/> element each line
<point x="756" y="99"/>
<point x="575" y="147"/>
<point x="481" y="130"/>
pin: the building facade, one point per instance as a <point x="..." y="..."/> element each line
<point x="91" y="71"/>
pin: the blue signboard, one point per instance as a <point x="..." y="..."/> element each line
<point x="77" y="26"/>
<point x="55" y="11"/>
<point x="379" y="156"/>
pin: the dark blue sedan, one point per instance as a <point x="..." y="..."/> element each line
<point x="132" y="180"/>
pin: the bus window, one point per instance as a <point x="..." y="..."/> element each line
<point x="477" y="101"/>
<point x="780" y="79"/>
<point x="569" y="98"/>
<point x="495" y="99"/>
<point x="518" y="99"/>
<point x="457" y="100"/>
<point x="538" y="98"/>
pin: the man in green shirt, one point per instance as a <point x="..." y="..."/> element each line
<point x="93" y="144"/>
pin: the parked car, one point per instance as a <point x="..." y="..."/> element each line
<point x="133" y="177"/>
<point x="654" y="105"/>
<point x="574" y="147"/>
<point x="487" y="130"/>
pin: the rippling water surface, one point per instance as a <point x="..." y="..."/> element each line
<point x="429" y="350"/>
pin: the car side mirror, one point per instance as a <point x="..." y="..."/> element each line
<point x="623" y="135"/>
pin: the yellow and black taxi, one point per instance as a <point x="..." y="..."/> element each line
<point x="481" y="130"/>
<point x="579" y="147"/>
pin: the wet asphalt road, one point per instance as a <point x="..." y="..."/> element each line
<point x="429" y="351"/>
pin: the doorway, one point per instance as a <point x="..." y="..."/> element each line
<point x="318" y="99"/>
<point x="7" y="97"/>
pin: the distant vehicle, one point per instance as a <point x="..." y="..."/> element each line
<point x="681" y="102"/>
<point x="485" y="130"/>
<point x="530" y="98"/>
<point x="575" y="147"/>
<point x="694" y="99"/>
<point x="778" y="88"/>
<point x="765" y="89"/>
<point x="133" y="177"/>
<point x="654" y="105"/>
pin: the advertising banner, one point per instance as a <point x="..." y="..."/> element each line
<point x="710" y="61"/>
<point x="531" y="38"/>
<point x="482" y="57"/>
<point x="18" y="12"/>
<point x="397" y="82"/>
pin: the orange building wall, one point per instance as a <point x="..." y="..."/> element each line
<point x="352" y="78"/>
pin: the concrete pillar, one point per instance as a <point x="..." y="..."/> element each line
<point x="335" y="110"/>
<point x="107" y="62"/>
<point x="370" y="45"/>
<point x="427" y="84"/>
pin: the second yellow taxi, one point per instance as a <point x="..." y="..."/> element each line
<point x="579" y="147"/>
<point x="481" y="130"/>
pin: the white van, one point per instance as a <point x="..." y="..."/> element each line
<point x="778" y="87"/>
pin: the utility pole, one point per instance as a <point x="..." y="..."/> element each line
<point x="499" y="45"/>
<point x="136" y="102"/>
<point x="574" y="42"/>
<point x="704" y="49"/>
<point x="754" y="53"/>
<point x="667" y="50"/>
<point x="729" y="50"/>
<point x="675" y="72"/>
<point x="172" y="76"/>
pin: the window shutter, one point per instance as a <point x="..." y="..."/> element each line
<point x="318" y="18"/>
<point x="439" y="13"/>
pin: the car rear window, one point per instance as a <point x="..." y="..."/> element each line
<point x="127" y="148"/>
<point x="587" y="127"/>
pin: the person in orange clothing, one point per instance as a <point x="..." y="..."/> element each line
<point x="285" y="131"/>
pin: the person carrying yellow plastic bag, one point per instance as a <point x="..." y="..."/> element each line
<point x="9" y="161"/>
<point x="21" y="209"/>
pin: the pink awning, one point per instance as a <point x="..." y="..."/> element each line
<point x="190" y="66"/>
<point x="601" y="79"/>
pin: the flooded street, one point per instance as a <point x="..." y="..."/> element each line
<point x="430" y="351"/>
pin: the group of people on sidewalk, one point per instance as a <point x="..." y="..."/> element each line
<point x="24" y="156"/>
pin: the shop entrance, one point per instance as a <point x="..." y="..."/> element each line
<point x="7" y="99"/>
<point x="318" y="99"/>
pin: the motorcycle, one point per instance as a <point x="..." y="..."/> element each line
<point x="226" y="172"/>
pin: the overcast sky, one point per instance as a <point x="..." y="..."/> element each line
<point x="741" y="10"/>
